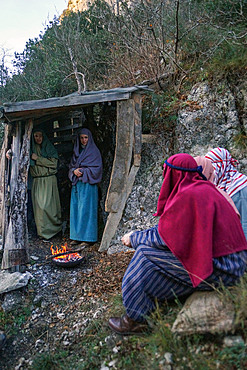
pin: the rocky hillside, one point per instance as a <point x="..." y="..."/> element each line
<point x="60" y="319"/>
<point x="209" y="117"/>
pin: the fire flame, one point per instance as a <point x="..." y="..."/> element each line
<point x="63" y="249"/>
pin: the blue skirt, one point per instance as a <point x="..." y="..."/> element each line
<point x="240" y="200"/>
<point x="84" y="212"/>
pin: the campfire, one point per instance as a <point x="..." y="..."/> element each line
<point x="64" y="257"/>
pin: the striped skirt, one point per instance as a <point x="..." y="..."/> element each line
<point x="154" y="273"/>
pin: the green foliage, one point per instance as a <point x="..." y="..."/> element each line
<point x="241" y="141"/>
<point x="12" y="322"/>
<point x="234" y="357"/>
<point x="228" y="62"/>
<point x="224" y="11"/>
<point x="159" y="112"/>
<point x="50" y="361"/>
<point x="166" y="43"/>
<point x="237" y="295"/>
<point x="47" y="65"/>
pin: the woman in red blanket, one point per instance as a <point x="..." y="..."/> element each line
<point x="198" y="243"/>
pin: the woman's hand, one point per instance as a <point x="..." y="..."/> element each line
<point x="34" y="156"/>
<point x="77" y="172"/>
<point x="9" y="154"/>
<point x="126" y="239"/>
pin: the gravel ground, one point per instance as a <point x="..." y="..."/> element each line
<point x="61" y="302"/>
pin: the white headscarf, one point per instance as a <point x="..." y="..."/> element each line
<point x="227" y="176"/>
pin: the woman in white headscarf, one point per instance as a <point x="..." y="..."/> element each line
<point x="229" y="179"/>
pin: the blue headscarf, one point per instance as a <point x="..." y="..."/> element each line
<point x="88" y="158"/>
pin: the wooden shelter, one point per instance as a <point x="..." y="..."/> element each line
<point x="50" y="114"/>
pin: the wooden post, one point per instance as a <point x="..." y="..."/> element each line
<point x="16" y="243"/>
<point x="114" y="218"/>
<point x="15" y="148"/>
<point x="128" y="139"/>
<point x="138" y="129"/>
<point x="4" y="167"/>
<point x="123" y="154"/>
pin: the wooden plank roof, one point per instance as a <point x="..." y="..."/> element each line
<point x="54" y="106"/>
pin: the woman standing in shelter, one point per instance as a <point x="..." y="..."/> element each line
<point x="45" y="196"/>
<point x="229" y="179"/>
<point x="85" y="172"/>
<point x="198" y="243"/>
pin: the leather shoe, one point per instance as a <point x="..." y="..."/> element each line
<point x="74" y="242"/>
<point x="126" y="326"/>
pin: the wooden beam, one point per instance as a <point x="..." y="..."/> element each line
<point x="123" y="154"/>
<point x="114" y="218"/>
<point x="128" y="139"/>
<point x="16" y="243"/>
<point x="42" y="116"/>
<point x="138" y="129"/>
<point x="58" y="139"/>
<point x="68" y="127"/>
<point x="71" y="100"/>
<point x="4" y="169"/>
<point x="15" y="148"/>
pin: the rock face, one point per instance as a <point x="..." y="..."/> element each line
<point x="78" y="5"/>
<point x="141" y="204"/>
<point x="204" y="312"/>
<point x="209" y="118"/>
<point x="81" y="5"/>
<point x="241" y="99"/>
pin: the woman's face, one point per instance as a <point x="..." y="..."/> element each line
<point x="83" y="139"/>
<point x="38" y="137"/>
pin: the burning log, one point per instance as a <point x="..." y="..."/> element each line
<point x="64" y="253"/>
<point x="61" y="256"/>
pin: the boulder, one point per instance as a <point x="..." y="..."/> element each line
<point x="205" y="312"/>
<point x="12" y="300"/>
<point x="13" y="281"/>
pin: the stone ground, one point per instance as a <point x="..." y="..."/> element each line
<point x="60" y="302"/>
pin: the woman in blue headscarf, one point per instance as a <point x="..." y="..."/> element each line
<point x="85" y="172"/>
<point x="45" y="196"/>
